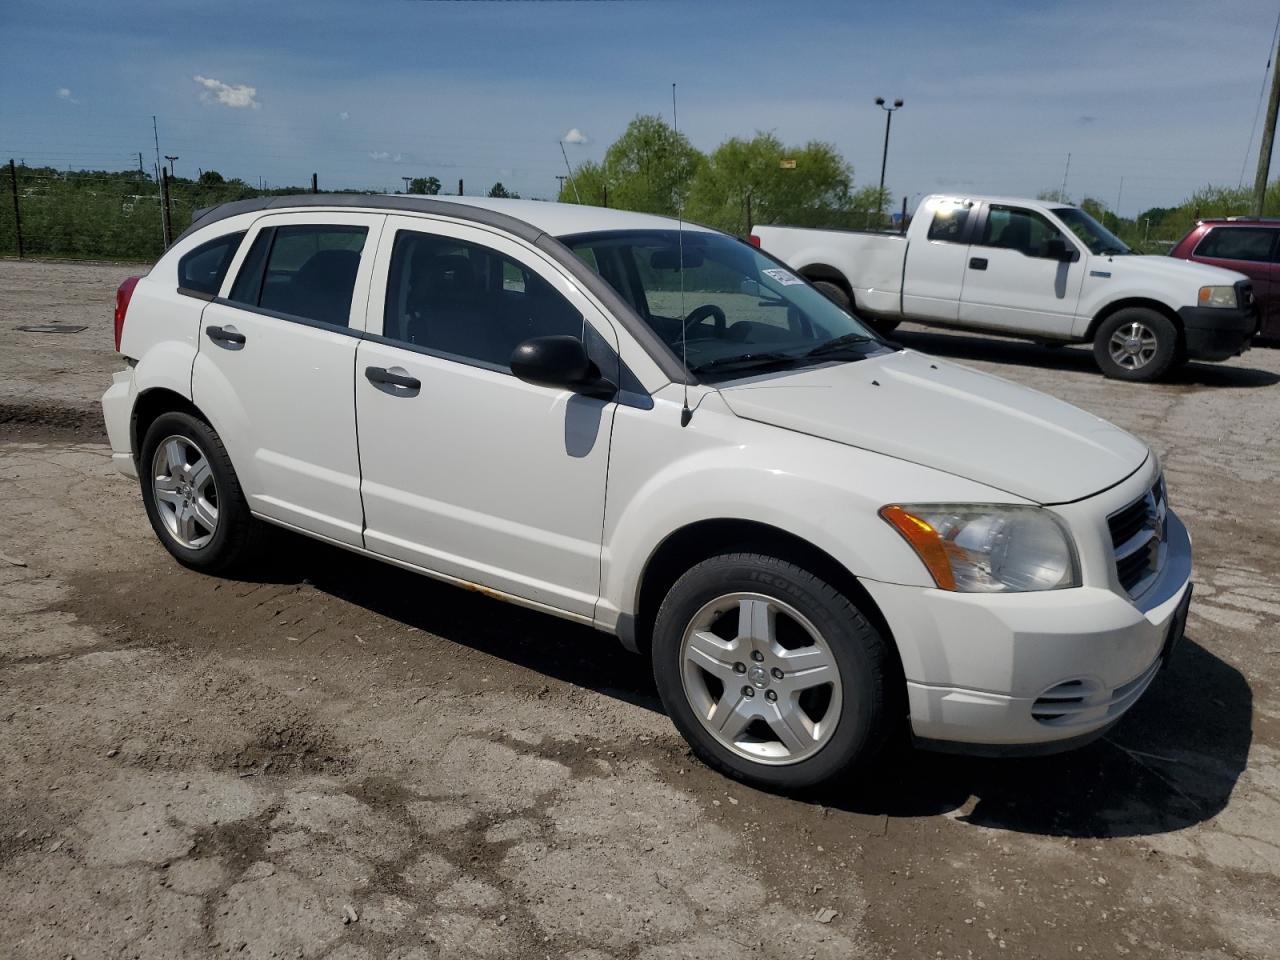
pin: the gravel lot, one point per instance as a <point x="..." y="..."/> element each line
<point x="342" y="760"/>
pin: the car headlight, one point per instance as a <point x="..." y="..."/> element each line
<point x="988" y="548"/>
<point x="1218" y="297"/>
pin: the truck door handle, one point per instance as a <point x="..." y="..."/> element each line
<point x="977" y="263"/>
<point x="383" y="376"/>
<point x="225" y="336"/>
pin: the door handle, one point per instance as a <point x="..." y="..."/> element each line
<point x="977" y="263"/>
<point x="381" y="375"/>
<point x="225" y="335"/>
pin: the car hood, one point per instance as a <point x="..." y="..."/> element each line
<point x="1195" y="275"/>
<point x="951" y="418"/>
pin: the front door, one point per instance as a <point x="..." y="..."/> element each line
<point x="276" y="364"/>
<point x="1014" y="282"/>
<point x="468" y="471"/>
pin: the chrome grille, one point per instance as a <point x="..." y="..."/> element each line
<point x="1138" y="538"/>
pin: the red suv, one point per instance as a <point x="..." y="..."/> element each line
<point x="1249" y="246"/>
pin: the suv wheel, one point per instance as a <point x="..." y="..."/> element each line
<point x="192" y="496"/>
<point x="773" y="676"/>
<point x="1135" y="344"/>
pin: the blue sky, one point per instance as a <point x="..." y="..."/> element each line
<point x="1162" y="94"/>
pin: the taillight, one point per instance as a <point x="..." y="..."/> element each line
<point x="124" y="293"/>
<point x="753" y="240"/>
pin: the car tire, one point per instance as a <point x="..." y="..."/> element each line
<point x="700" y="653"/>
<point x="1136" y="344"/>
<point x="193" y="497"/>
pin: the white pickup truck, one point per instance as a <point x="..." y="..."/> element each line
<point x="1039" y="270"/>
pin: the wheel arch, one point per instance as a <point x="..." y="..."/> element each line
<point x="824" y="271"/>
<point x="704" y="539"/>
<point x="150" y="405"/>
<point x="1124" y="303"/>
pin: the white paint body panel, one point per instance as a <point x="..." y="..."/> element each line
<point x="558" y="502"/>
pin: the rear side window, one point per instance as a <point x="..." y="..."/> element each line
<point x="1237" y="243"/>
<point x="307" y="271"/>
<point x="949" y="221"/>
<point x="201" y="270"/>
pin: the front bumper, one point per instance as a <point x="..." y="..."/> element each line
<point x="983" y="671"/>
<point x="1213" y="333"/>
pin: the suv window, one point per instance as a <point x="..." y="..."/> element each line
<point x="202" y="270"/>
<point x="306" y="271"/>
<point x="1013" y="228"/>
<point x="1237" y="243"/>
<point x="469" y="301"/>
<point x="949" y="222"/>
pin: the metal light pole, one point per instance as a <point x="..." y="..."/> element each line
<point x="884" y="158"/>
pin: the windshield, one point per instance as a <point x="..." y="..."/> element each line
<point x="741" y="310"/>
<point x="1094" y="235"/>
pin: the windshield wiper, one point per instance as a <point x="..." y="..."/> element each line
<point x="838" y="344"/>
<point x="745" y="360"/>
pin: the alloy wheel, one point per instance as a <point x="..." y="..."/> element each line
<point x="1132" y="345"/>
<point x="186" y="495"/>
<point x="760" y="678"/>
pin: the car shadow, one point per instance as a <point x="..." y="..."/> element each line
<point x="1079" y="357"/>
<point x="1173" y="761"/>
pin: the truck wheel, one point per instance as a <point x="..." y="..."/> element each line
<point x="841" y="299"/>
<point x="773" y="676"/>
<point x="192" y="496"/>
<point x="1135" y="344"/>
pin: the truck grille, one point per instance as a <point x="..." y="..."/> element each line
<point x="1138" y="537"/>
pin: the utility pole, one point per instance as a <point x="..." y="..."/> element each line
<point x="560" y="178"/>
<point x="1268" y="136"/>
<point x="1062" y="194"/>
<point x="166" y="216"/>
<point x="459" y="186"/>
<point x="569" y="169"/>
<point x="407" y="181"/>
<point x="171" y="159"/>
<point x="17" y="214"/>
<point x="141" y="172"/>
<point x="315" y="183"/>
<point x="1119" y="194"/>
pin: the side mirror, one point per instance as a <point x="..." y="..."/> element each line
<point x="561" y="362"/>
<point x="1057" y="249"/>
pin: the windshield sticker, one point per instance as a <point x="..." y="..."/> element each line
<point x="784" y="277"/>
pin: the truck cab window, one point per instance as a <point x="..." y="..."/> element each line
<point x="1013" y="228"/>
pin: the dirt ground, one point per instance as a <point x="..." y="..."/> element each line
<point x="342" y="760"/>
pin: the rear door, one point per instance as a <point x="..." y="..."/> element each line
<point x="467" y="470"/>
<point x="1251" y="250"/>
<point x="1011" y="280"/>
<point x="933" y="274"/>
<point x="276" y="364"/>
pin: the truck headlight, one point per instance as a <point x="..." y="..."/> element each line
<point x="988" y="548"/>
<point x="1218" y="297"/>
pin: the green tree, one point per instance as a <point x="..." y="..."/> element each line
<point x="424" y="185"/>
<point x="591" y="184"/>
<point x="498" y="190"/>
<point x="649" y="169"/>
<point x="815" y="188"/>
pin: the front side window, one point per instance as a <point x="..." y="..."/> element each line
<point x="1013" y="228"/>
<point x="307" y="271"/>
<point x="202" y="270"/>
<point x="731" y="307"/>
<point x="1237" y="243"/>
<point x="469" y="301"/>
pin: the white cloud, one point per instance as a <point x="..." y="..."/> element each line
<point x="344" y="115"/>
<point x="64" y="93"/>
<point x="384" y="156"/>
<point x="239" y="96"/>
<point x="575" y="136"/>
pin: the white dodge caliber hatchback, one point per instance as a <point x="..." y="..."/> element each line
<point x="815" y="534"/>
